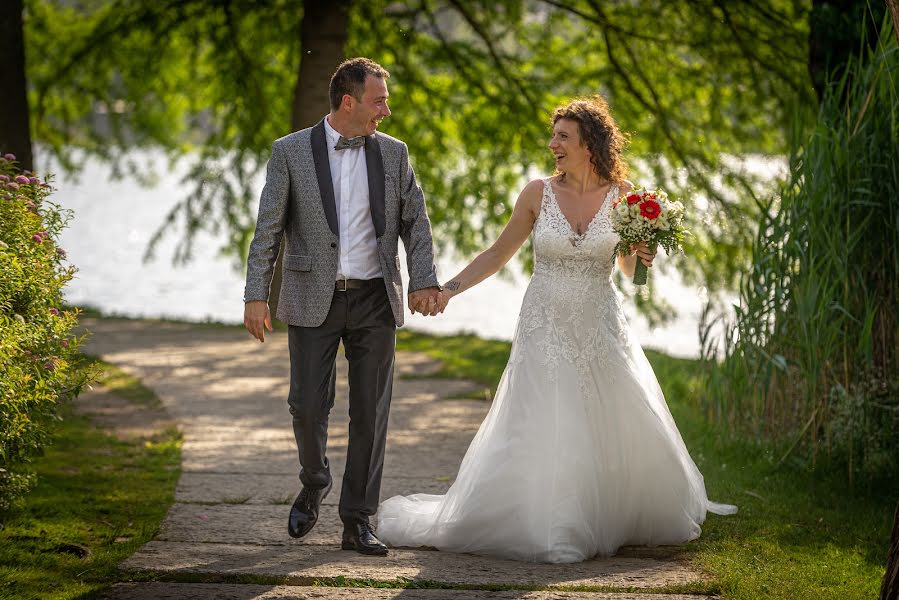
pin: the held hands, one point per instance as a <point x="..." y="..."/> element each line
<point x="257" y="318"/>
<point x="425" y="301"/>
<point x="643" y="253"/>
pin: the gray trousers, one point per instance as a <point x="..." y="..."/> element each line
<point x="364" y="321"/>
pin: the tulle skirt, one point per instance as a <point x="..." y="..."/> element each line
<point x="578" y="455"/>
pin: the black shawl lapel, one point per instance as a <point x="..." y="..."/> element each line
<point x="375" y="164"/>
<point x="319" y="141"/>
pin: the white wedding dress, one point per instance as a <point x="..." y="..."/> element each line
<point x="579" y="454"/>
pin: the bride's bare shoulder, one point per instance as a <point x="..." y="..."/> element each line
<point x="534" y="186"/>
<point x="531" y="195"/>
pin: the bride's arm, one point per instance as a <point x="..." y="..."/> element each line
<point x="491" y="260"/>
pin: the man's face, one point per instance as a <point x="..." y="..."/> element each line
<point x="367" y="113"/>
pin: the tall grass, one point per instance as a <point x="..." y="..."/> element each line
<point x="811" y="360"/>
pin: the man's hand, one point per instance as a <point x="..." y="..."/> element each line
<point x="257" y="318"/>
<point x="643" y="253"/>
<point x="424" y="301"/>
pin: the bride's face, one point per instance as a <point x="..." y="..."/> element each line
<point x="566" y="145"/>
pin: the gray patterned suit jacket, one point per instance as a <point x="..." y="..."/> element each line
<point x="298" y="206"/>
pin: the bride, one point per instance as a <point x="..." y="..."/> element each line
<point x="578" y="454"/>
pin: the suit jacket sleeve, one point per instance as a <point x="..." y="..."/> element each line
<point x="415" y="229"/>
<point x="273" y="206"/>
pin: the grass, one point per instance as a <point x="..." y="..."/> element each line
<point x="463" y="356"/>
<point x="124" y="385"/>
<point x="98" y="499"/>
<point x="797" y="535"/>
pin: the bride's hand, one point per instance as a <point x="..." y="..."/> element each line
<point x="443" y="298"/>
<point x="642" y="251"/>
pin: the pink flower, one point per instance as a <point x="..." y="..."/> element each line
<point x="22" y="179"/>
<point x="43" y="234"/>
<point x="9" y="156"/>
<point x="38" y="239"/>
<point x="4" y="178"/>
<point x="12" y="186"/>
<point x="64" y="344"/>
<point x="61" y="252"/>
<point x="50" y="365"/>
<point x="31" y="206"/>
<point x="54" y="311"/>
<point x="33" y="180"/>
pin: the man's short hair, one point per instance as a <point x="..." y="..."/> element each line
<point x="349" y="78"/>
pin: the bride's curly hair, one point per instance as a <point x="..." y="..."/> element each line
<point x="600" y="133"/>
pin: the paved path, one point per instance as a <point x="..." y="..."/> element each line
<point x="228" y="395"/>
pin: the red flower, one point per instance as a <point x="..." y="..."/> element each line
<point x="616" y="203"/>
<point x="633" y="199"/>
<point x="650" y="209"/>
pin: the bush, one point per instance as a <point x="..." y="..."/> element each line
<point x="812" y="361"/>
<point x="38" y="366"/>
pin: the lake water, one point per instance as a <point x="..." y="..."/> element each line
<point x="114" y="221"/>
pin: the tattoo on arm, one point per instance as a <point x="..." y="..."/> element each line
<point x="451" y="286"/>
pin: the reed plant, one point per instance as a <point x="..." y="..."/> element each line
<point x="810" y="360"/>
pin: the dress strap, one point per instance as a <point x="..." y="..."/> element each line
<point x="547" y="193"/>
<point x="613" y="195"/>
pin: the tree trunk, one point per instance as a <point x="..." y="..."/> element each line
<point x="890" y="588"/>
<point x="322" y="38"/>
<point x="894" y="13"/>
<point x="15" y="128"/>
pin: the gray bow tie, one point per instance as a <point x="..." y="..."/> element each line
<point x="354" y="142"/>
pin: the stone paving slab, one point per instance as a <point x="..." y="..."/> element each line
<point x="225" y="591"/>
<point x="309" y="561"/>
<point x="258" y="524"/>
<point x="420" y="455"/>
<point x="261" y="488"/>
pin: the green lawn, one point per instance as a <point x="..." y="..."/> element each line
<point x="95" y="494"/>
<point x="797" y="534"/>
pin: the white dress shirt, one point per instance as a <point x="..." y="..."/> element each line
<point x="358" y="255"/>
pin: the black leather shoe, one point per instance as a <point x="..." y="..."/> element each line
<point x="361" y="538"/>
<point x="304" y="512"/>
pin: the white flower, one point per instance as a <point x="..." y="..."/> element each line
<point x="662" y="223"/>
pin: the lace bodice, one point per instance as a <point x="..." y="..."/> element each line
<point x="560" y="251"/>
<point x="571" y="313"/>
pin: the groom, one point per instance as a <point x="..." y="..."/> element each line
<point x="338" y="196"/>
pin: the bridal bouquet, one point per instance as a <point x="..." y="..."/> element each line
<point x="647" y="215"/>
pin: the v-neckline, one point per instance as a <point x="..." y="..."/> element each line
<point x="572" y="230"/>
